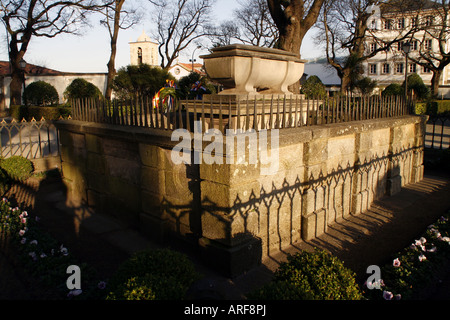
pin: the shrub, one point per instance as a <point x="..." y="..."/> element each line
<point x="416" y="267"/>
<point x="42" y="257"/>
<point x="320" y="275"/>
<point x="194" y="86"/>
<point x="160" y="274"/>
<point x="48" y="113"/>
<point x="81" y="88"/>
<point x="17" y="168"/>
<point x="4" y="182"/>
<point x="416" y="84"/>
<point x="40" y="93"/>
<point x="394" y="89"/>
<point x="313" y="88"/>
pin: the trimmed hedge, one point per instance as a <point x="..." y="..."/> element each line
<point x="314" y="275"/>
<point x="436" y="107"/>
<point x="160" y="274"/>
<point x="40" y="93"/>
<point x="48" y="113"/>
<point x="17" y="168"/>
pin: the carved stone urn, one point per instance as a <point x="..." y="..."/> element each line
<point x="252" y="71"/>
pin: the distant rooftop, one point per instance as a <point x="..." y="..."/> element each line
<point x="326" y="74"/>
<point x="5" y="69"/>
<point x="393" y="6"/>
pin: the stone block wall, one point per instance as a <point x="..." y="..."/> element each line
<point x="235" y="214"/>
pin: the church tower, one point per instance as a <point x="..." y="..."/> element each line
<point x="144" y="51"/>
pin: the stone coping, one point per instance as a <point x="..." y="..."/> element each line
<point x="242" y="50"/>
<point x="287" y="136"/>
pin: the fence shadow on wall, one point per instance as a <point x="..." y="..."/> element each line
<point x="332" y="197"/>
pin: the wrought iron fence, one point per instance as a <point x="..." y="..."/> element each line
<point x="30" y="139"/>
<point x="438" y="132"/>
<point x="266" y="112"/>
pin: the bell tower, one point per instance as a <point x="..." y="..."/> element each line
<point x="144" y="51"/>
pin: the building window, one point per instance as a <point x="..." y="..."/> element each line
<point x="414" y="22"/>
<point x="139" y="55"/>
<point x="372" y="69"/>
<point x="399" y="68"/>
<point x="401" y="23"/>
<point x="428" y="44"/>
<point x="373" y="47"/>
<point x="386" y="68"/>
<point x="387" y="24"/>
<point x="373" y="24"/>
<point x="426" y="70"/>
<point x="412" y="68"/>
<point x="414" y="45"/>
<point x="428" y="21"/>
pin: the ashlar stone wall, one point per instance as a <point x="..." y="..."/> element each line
<point x="232" y="212"/>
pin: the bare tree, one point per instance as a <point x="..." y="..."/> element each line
<point x="251" y="24"/>
<point x="223" y="34"/>
<point x="26" y="19"/>
<point x="255" y="23"/>
<point x="116" y="17"/>
<point x="433" y="35"/>
<point x="179" y="24"/>
<point x="293" y="19"/>
<point x="346" y="33"/>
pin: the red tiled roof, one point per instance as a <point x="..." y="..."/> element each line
<point x="30" y="69"/>
<point x="188" y="66"/>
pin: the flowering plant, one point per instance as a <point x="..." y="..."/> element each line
<point x="42" y="256"/>
<point x="415" y="266"/>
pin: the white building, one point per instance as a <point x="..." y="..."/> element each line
<point x="392" y="22"/>
<point x="180" y="70"/>
<point x="59" y="80"/>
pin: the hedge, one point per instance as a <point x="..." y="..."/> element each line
<point x="48" y="113"/>
<point x="436" y="107"/>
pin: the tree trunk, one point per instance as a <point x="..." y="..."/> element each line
<point x="345" y="80"/>
<point x="292" y="24"/>
<point x="16" y="89"/>
<point x="435" y="82"/>
<point x="112" y="57"/>
<point x="17" y="74"/>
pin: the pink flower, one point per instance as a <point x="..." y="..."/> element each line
<point x="21" y="232"/>
<point x="387" y="295"/>
<point x="422" y="258"/>
<point x="396" y="263"/>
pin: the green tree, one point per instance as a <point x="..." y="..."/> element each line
<point x="193" y="85"/>
<point x="81" y="88"/>
<point x="40" y="93"/>
<point x="394" y="89"/>
<point x="313" y="88"/>
<point x="366" y="85"/>
<point x="416" y="85"/>
<point x="137" y="81"/>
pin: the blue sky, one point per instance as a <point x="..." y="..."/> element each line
<point x="90" y="52"/>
